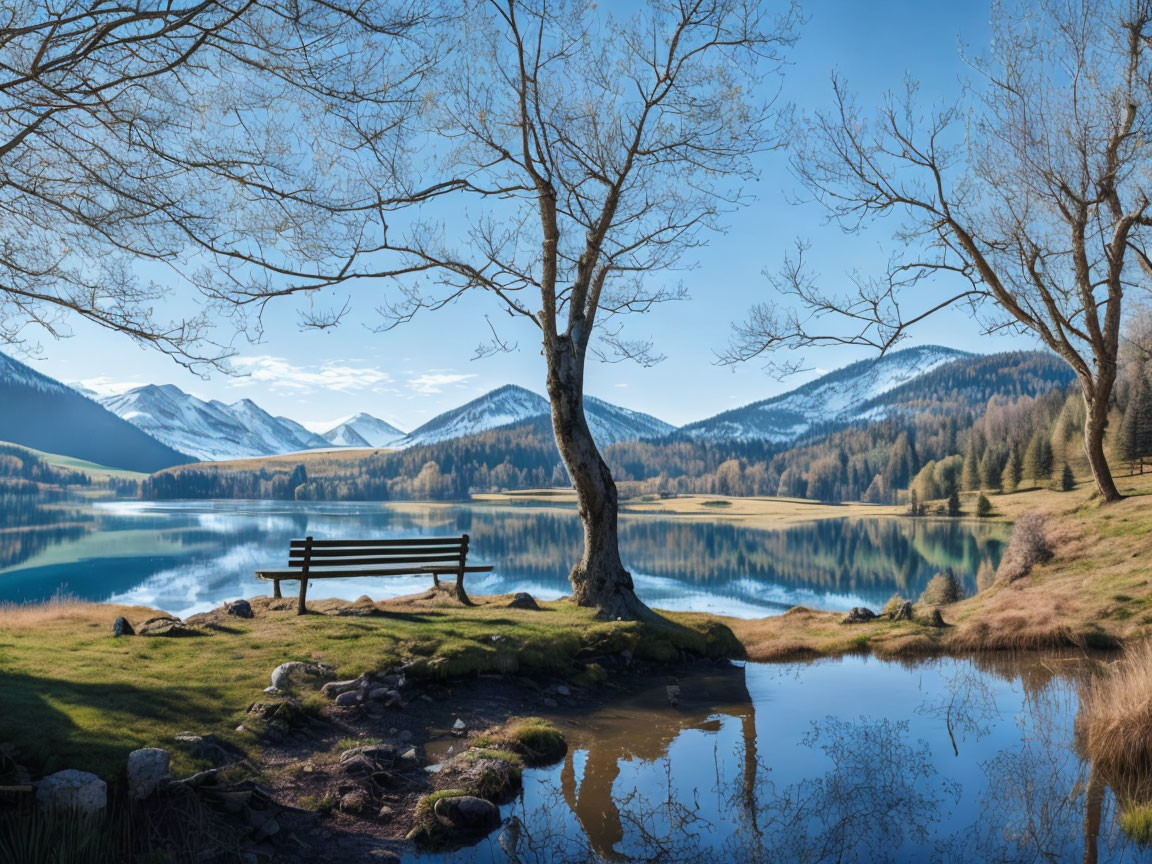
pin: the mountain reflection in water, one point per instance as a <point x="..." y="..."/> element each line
<point x="190" y="556"/>
<point x="852" y="760"/>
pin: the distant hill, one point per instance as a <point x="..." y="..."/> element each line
<point x="511" y="406"/>
<point x="42" y="413"/>
<point x="210" y="430"/>
<point x="840" y="396"/>
<point x="363" y="430"/>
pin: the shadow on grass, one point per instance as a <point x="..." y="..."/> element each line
<point x="56" y="724"/>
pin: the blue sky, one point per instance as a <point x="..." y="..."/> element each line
<point x="410" y="374"/>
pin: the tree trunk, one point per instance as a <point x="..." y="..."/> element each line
<point x="1095" y="422"/>
<point x="599" y="579"/>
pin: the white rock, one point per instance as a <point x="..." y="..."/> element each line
<point x="148" y="770"/>
<point x="74" y="790"/>
<point x="459" y="725"/>
<point x="286" y="674"/>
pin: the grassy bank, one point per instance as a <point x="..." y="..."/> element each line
<point x="1096" y="591"/>
<point x="75" y="697"/>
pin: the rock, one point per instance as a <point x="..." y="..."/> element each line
<point x="239" y="608"/>
<point x="392" y="681"/>
<point x="376" y="754"/>
<point x="562" y="690"/>
<point x="357" y="802"/>
<point x="467" y="814"/>
<point x="148" y="770"/>
<point x="383" y="694"/>
<point x="287" y="674"/>
<point x="903" y="612"/>
<point x="357" y="766"/>
<point x="409" y="755"/>
<point x="459" y="728"/>
<point x="348" y="698"/>
<point x="166" y="625"/>
<point x="334" y="688"/>
<point x="672" y="691"/>
<point x="73" y="790"/>
<point x="210" y="748"/>
<point x="404" y="736"/>
<point x="523" y="600"/>
<point x="121" y="627"/>
<point x="859" y="615"/>
<point x="549" y="702"/>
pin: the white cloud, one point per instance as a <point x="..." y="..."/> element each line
<point x="104" y="386"/>
<point x="435" y="382"/>
<point x="280" y="374"/>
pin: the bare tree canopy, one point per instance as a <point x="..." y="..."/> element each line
<point x="177" y="134"/>
<point x="564" y="161"/>
<point x="1027" y="200"/>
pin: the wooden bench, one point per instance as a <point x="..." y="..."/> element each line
<point x="341" y="559"/>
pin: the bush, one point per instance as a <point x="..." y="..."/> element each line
<point x="954" y="504"/>
<point x="1067" y="479"/>
<point x="894" y="603"/>
<point x="1028" y="547"/>
<point x="983" y="506"/>
<point x="942" y="589"/>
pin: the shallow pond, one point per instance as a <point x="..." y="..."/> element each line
<point x="847" y="760"/>
<point x="186" y="557"/>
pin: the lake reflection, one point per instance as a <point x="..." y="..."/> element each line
<point x="189" y="556"/>
<point x="850" y="760"/>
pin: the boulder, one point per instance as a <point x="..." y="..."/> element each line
<point x="523" y="600"/>
<point x="459" y="728"/>
<point x="295" y="673"/>
<point x="334" y="688"/>
<point x="239" y="608"/>
<point x="376" y="754"/>
<point x="903" y="612"/>
<point x="349" y="698"/>
<point x="148" y="770"/>
<point x="209" y="748"/>
<point x="121" y="627"/>
<point x="357" y="802"/>
<point x="78" y="791"/>
<point x="166" y="625"/>
<point x="858" y="615"/>
<point x="467" y="814"/>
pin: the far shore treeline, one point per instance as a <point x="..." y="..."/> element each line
<point x="1008" y="420"/>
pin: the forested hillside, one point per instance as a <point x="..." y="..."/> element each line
<point x="990" y="422"/>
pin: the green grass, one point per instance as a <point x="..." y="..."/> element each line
<point x="537" y="740"/>
<point x="74" y="697"/>
<point x="1136" y="822"/>
<point x="92" y="469"/>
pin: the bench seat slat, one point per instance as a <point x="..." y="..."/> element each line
<point x="356" y="561"/>
<point x="403" y="554"/>
<point x="292" y="575"/>
<point x="405" y="541"/>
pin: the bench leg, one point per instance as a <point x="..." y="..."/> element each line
<point x="460" y="593"/>
<point x="300" y="610"/>
<point x="276" y="589"/>
<point x="436" y="580"/>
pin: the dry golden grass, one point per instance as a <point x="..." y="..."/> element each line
<point x="1116" y="714"/>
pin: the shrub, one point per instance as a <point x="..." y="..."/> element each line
<point x="1067" y="479"/>
<point x="942" y="589"/>
<point x="985" y="575"/>
<point x="954" y="503"/>
<point x="1028" y="547"/>
<point x="983" y="506"/>
<point x="537" y="740"/>
<point x="894" y="603"/>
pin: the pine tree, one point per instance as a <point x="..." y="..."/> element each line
<point x="989" y="471"/>
<point x="1135" y="434"/>
<point x="1067" y="479"/>
<point x="1010" y="476"/>
<point x="1033" y="464"/>
<point x="970" y="473"/>
<point x="983" y="506"/>
<point x="954" y="503"/>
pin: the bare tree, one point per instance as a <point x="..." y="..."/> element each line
<point x="141" y="140"/>
<point x="1026" y="200"/>
<point x="565" y="161"/>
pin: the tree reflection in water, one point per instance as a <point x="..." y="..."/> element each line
<point x="945" y="761"/>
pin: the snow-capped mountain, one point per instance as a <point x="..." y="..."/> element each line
<point x="363" y="430"/>
<point x="210" y="430"/>
<point x="40" y="412"/>
<point x="840" y="396"/>
<point x="512" y="405"/>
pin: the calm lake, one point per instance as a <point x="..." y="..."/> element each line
<point x="186" y="557"/>
<point x="946" y="761"/>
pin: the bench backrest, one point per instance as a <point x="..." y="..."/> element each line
<point x="320" y="555"/>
